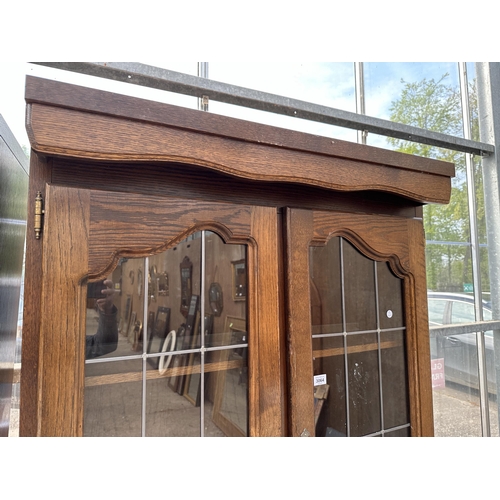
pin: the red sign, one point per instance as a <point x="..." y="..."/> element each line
<point x="437" y="368"/>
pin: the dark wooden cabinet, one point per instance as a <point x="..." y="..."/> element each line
<point x="329" y="232"/>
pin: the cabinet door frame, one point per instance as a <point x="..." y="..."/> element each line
<point x="397" y="240"/>
<point x="86" y="231"/>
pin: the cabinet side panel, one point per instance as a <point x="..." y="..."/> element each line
<point x="40" y="172"/>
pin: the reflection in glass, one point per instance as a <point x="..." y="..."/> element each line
<point x="230" y="409"/>
<point x="405" y="432"/>
<point x="112" y="403"/>
<point x="185" y="383"/>
<point x="359" y="290"/>
<point x="169" y="413"/>
<point x="357" y="314"/>
<point x="390" y="297"/>
<point x="363" y="384"/>
<point x="396" y="409"/>
<point x="330" y="406"/>
<point x="326" y="298"/>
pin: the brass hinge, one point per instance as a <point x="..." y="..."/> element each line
<point x="39" y="211"/>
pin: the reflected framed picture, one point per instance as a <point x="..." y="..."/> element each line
<point x="191" y="382"/>
<point x="137" y="336"/>
<point x="192" y="327"/>
<point x="126" y="316"/>
<point x="186" y="268"/>
<point x="140" y="283"/>
<point x="162" y="322"/>
<point x="162" y="284"/>
<point x="157" y="331"/>
<point x="131" y="326"/>
<point x="216" y="299"/>
<point x="192" y="387"/>
<point x="239" y="279"/>
<point x="151" y="328"/>
<point x="152" y="289"/>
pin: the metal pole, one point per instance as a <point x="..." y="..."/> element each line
<point x="488" y="97"/>
<point x="203" y="106"/>
<point x="359" y="77"/>
<point x="476" y="269"/>
<point x="202" y="336"/>
<point x="146" y="292"/>
<point x="203" y="73"/>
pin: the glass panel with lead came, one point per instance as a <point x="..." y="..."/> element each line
<point x="359" y="346"/>
<point x="170" y="316"/>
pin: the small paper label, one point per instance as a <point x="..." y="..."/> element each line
<point x="319" y="379"/>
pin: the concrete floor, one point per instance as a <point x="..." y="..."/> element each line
<point x="457" y="413"/>
<point x="115" y="409"/>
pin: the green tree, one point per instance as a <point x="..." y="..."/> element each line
<point x="436" y="105"/>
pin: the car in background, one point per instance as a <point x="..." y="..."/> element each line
<point x="460" y="351"/>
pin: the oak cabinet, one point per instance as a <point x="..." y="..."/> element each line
<point x="263" y="282"/>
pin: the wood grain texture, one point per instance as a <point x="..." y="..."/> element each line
<point x="66" y="132"/>
<point x="188" y="181"/>
<point x="341" y="351"/>
<point x="419" y="366"/>
<point x="266" y="357"/>
<point x="62" y="328"/>
<point x="299" y="233"/>
<point x="32" y="312"/>
<point x="378" y="237"/>
<point x="133" y="225"/>
<point x="82" y="133"/>
<point x="70" y="96"/>
<point x="120" y="378"/>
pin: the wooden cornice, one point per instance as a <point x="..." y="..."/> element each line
<point x="76" y="122"/>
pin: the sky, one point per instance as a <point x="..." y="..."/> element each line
<point x="266" y="31"/>
<point x="326" y="83"/>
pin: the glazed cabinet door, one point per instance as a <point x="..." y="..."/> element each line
<point x="358" y="348"/>
<point x="188" y="341"/>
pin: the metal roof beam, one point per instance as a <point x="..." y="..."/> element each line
<point x="181" y="83"/>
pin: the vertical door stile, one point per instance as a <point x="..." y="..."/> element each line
<point x="62" y="326"/>
<point x="266" y="389"/>
<point x="299" y="224"/>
